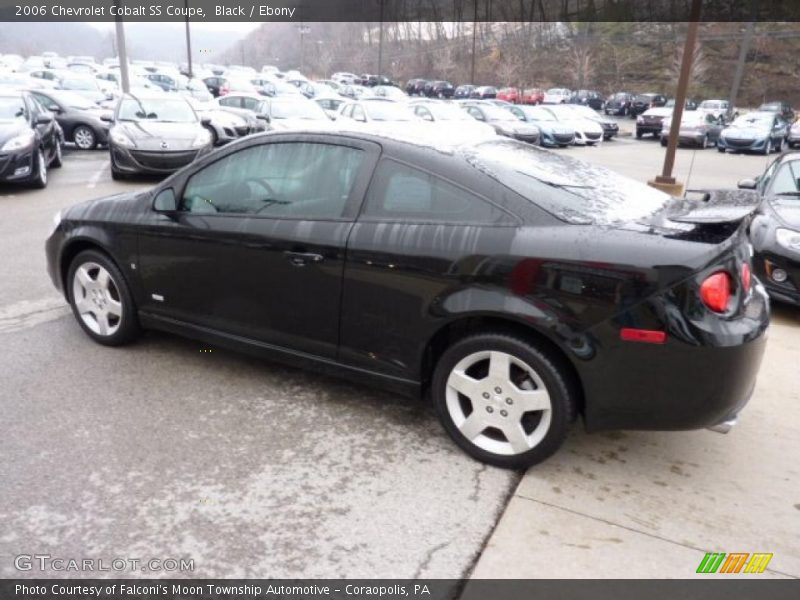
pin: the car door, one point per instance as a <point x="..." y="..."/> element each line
<point x="256" y="247"/>
<point x="403" y="253"/>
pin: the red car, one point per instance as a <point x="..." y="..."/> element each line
<point x="533" y="96"/>
<point x="509" y="95"/>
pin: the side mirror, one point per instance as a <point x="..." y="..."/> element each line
<point x="165" y="201"/>
<point x="746" y="184"/>
<point x="107" y="117"/>
<point x="263" y="117"/>
<point x="205" y="121"/>
<point x="428" y="117"/>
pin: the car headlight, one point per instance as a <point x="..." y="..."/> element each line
<point x="202" y="139"/>
<point x="788" y="238"/>
<point x="19" y="142"/>
<point x="120" y="139"/>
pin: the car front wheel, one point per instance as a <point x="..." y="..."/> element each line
<point x="39" y="178"/>
<point x="84" y="137"/>
<point x="101" y="300"/>
<point x="502" y="400"/>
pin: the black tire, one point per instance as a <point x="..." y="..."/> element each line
<point x="58" y="159"/>
<point x="664" y="141"/>
<point x="84" y="137"/>
<point x="39" y="177"/>
<point x="214" y="137"/>
<point x="639" y="134"/>
<point x="128" y="326"/>
<point x="557" y="382"/>
<point x="720" y="148"/>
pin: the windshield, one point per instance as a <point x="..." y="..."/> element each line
<point x="297" y="110"/>
<point x="538" y="114"/>
<point x="495" y="113"/>
<point x="79" y="84"/>
<point x="389" y="111"/>
<point x="754" y="120"/>
<point x="710" y="104"/>
<point x="447" y="112"/>
<point x="169" y="110"/>
<point x="570" y="189"/>
<point x="11" y="107"/>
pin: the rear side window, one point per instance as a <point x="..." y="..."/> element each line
<point x="402" y="193"/>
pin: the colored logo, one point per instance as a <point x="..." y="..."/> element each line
<point x="736" y="562"/>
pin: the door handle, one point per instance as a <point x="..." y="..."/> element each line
<point x="301" y="259"/>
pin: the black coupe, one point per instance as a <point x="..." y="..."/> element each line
<point x="519" y="287"/>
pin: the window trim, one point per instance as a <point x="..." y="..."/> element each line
<point x="372" y="152"/>
<point x="362" y="217"/>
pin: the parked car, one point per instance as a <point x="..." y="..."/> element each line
<point x="644" y="102"/>
<point x="30" y="139"/>
<point x="83" y="85"/>
<point x="757" y="131"/>
<point x="532" y="96"/>
<point x="782" y="109"/>
<point x="463" y="92"/>
<point x="225" y="125"/>
<point x="218" y="86"/>
<point x="155" y="135"/>
<point x="503" y="122"/>
<point x="354" y="92"/>
<point x="588" y="132"/>
<point x="81" y="120"/>
<point x="344" y="78"/>
<point x="379" y="114"/>
<point x="698" y="128"/>
<point x="282" y="113"/>
<point x="793" y="135"/>
<point x="483" y="92"/>
<point x="440" y="89"/>
<point x="557" y="96"/>
<point x="619" y="104"/>
<point x="509" y="94"/>
<point x="552" y="133"/>
<point x="391" y="92"/>
<point x="589" y="98"/>
<point x="330" y="104"/>
<point x="718" y="108"/>
<point x="689" y="104"/>
<point x="414" y="87"/>
<point x="517" y="287"/>
<point x="449" y="122"/>
<point x="650" y="121"/>
<point x="775" y="229"/>
<point x="610" y="127"/>
<point x="283" y="88"/>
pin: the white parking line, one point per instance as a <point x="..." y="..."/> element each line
<point x="96" y="177"/>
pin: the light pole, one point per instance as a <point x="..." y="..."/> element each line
<point x="304" y="30"/>
<point x="122" y="54"/>
<point x="380" y="45"/>
<point x="188" y="41"/>
<point x="666" y="182"/>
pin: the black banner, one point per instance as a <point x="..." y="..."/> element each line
<point x="732" y="588"/>
<point x="396" y="10"/>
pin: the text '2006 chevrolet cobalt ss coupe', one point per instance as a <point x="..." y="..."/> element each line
<point x="518" y="287"/>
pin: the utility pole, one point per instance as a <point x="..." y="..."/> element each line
<point x="666" y="182"/>
<point x="122" y="54"/>
<point x="188" y="41"/>
<point x="474" y="35"/>
<point x="737" y="75"/>
<point x="380" y="45"/>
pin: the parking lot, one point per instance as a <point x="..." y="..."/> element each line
<point x="172" y="449"/>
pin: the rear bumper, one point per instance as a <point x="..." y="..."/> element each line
<point x="701" y="377"/>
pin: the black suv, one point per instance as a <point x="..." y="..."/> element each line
<point x="619" y="104"/>
<point x="588" y="98"/>
<point x="642" y="102"/>
<point x="414" y="87"/>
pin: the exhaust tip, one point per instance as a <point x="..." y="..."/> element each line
<point x="723" y="426"/>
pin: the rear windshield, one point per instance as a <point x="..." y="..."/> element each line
<point x="571" y="190"/>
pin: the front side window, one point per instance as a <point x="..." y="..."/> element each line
<point x="400" y="192"/>
<point x="283" y="180"/>
<point x="786" y="179"/>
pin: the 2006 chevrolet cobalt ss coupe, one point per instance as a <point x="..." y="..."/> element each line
<point x="519" y="288"/>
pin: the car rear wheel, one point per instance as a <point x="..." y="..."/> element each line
<point x="84" y="137"/>
<point x="504" y="401"/>
<point x="101" y="300"/>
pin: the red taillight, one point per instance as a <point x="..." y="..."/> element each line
<point x="747" y="277"/>
<point x="648" y="336"/>
<point x="716" y="291"/>
<point x="223" y="91"/>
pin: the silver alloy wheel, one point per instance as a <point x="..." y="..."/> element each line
<point x="97" y="299"/>
<point x="42" y="167"/>
<point x="491" y="411"/>
<point x="84" y="138"/>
